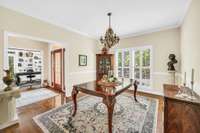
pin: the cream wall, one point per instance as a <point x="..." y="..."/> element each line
<point x="190" y="43"/>
<point x="18" y="42"/>
<point x="78" y="73"/>
<point x="73" y="43"/>
<point x="163" y="43"/>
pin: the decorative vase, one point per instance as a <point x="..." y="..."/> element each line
<point x="45" y="83"/>
<point x="8" y="80"/>
<point x="104" y="50"/>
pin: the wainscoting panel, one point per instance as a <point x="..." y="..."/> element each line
<point x="160" y="78"/>
<point x="78" y="78"/>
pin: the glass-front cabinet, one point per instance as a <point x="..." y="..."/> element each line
<point x="105" y="63"/>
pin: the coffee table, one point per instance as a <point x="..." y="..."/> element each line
<point x="107" y="94"/>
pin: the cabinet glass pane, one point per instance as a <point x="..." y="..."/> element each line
<point x="104" y="65"/>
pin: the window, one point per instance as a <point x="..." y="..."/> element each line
<point x="119" y="64"/>
<point x="142" y="67"/>
<point x="135" y="63"/>
<point x="124" y="63"/>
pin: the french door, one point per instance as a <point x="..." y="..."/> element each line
<point x="135" y="63"/>
<point x="57" y="69"/>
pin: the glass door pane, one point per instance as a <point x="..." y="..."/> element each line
<point x="137" y="69"/>
<point x="126" y="64"/>
<point x="58" y="68"/>
<point x="146" y="67"/>
<point x="137" y="58"/>
<point x="126" y="72"/>
<point x="146" y="57"/>
<point x="119" y="64"/>
<point x="126" y="58"/>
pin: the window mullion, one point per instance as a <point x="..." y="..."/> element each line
<point x="130" y="64"/>
<point x="123" y="63"/>
<point x="116" y="63"/>
<point x="140" y="67"/>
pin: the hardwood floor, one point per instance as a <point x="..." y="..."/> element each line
<point x="26" y="113"/>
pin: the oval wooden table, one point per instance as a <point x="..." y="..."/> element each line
<point x="108" y="95"/>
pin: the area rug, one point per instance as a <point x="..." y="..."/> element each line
<point x="34" y="96"/>
<point x="129" y="116"/>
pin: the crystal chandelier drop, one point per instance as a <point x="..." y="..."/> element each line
<point x="110" y="38"/>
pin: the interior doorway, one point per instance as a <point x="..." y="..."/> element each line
<point x="57" y="69"/>
<point x="44" y="47"/>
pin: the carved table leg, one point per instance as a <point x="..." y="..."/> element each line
<point x="135" y="90"/>
<point x="110" y="101"/>
<point x="74" y="95"/>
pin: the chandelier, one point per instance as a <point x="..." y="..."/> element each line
<point x="110" y="38"/>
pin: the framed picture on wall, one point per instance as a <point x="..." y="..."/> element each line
<point x="82" y="60"/>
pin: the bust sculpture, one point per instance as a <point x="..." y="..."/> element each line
<point x="172" y="58"/>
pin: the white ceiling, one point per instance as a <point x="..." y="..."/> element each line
<point x="130" y="17"/>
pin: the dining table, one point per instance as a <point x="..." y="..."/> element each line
<point x="107" y="93"/>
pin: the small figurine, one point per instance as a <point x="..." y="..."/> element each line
<point x="171" y="63"/>
<point x="8" y="80"/>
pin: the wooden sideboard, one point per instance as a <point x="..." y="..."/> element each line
<point x="180" y="115"/>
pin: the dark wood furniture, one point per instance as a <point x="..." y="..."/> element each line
<point x="107" y="94"/>
<point x="104" y="63"/>
<point x="29" y="82"/>
<point x="180" y="115"/>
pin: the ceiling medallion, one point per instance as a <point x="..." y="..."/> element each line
<point x="110" y="38"/>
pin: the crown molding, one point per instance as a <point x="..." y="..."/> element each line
<point x="13" y="34"/>
<point x="179" y="23"/>
<point x="68" y="28"/>
<point x="149" y="31"/>
<point x="65" y="27"/>
<point x="185" y="12"/>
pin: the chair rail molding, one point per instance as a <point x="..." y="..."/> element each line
<point x="83" y="72"/>
<point x="166" y="73"/>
